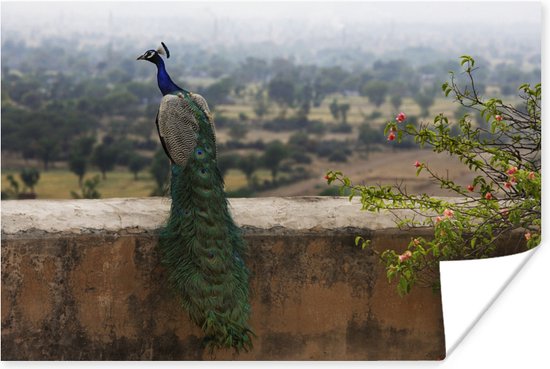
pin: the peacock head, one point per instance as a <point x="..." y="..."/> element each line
<point x="153" y="56"/>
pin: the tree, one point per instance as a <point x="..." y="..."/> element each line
<point x="84" y="145"/>
<point x="339" y="156"/>
<point x="105" y="157"/>
<point x="80" y="153"/>
<point x="123" y="150"/>
<point x="248" y="165"/>
<point x="226" y="162"/>
<point x="339" y="111"/>
<point x="274" y="153"/>
<point x="369" y="135"/>
<point x="160" y="169"/>
<point x="78" y="165"/>
<point x="304" y="98"/>
<point x="243" y="117"/>
<point x="300" y="141"/>
<point x="282" y="91"/>
<point x="218" y="92"/>
<point x="334" y="109"/>
<point x="47" y="148"/>
<point x="238" y="131"/>
<point x="144" y="128"/>
<point x="253" y="70"/>
<point x="396" y="101"/>
<point x="261" y="104"/>
<point x="32" y="99"/>
<point x="344" y="108"/>
<point x="30" y="177"/>
<point x="88" y="190"/>
<point x="142" y="90"/>
<point x="136" y="164"/>
<point x="504" y="198"/>
<point x="376" y="92"/>
<point x="13" y="191"/>
<point x="328" y="80"/>
<point x="120" y="102"/>
<point x="425" y="100"/>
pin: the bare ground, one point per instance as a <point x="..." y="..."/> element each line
<point x="387" y="168"/>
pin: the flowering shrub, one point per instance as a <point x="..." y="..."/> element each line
<point x="504" y="197"/>
<point x="401" y="117"/>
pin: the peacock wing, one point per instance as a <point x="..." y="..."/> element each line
<point x="178" y="128"/>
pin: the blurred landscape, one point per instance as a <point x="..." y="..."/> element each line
<point x="296" y="89"/>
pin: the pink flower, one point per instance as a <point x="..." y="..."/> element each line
<point x="438" y="219"/>
<point x="391" y="136"/>
<point x="531" y="176"/>
<point x="508" y="185"/>
<point x="513" y="179"/>
<point x="470" y="188"/>
<point x="512" y="170"/>
<point x="405" y="256"/>
<point x="498" y="117"/>
<point x="417" y="164"/>
<point x="400" y="117"/>
<point x="488" y="196"/>
<point x="528" y="236"/>
<point x="448" y="213"/>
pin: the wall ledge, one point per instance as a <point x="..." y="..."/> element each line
<point x="145" y="215"/>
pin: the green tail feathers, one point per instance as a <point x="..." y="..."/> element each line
<point x="202" y="249"/>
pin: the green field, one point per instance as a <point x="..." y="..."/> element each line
<point x="58" y="183"/>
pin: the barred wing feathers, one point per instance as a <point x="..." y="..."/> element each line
<point x="178" y="127"/>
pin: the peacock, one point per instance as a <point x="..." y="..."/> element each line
<point x="200" y="245"/>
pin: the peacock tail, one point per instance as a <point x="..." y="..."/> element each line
<point x="201" y="247"/>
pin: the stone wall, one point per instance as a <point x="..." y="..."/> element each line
<point x="81" y="280"/>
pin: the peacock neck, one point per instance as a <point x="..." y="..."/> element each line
<point x="166" y="85"/>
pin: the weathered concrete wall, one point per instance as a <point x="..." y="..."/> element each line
<point x="81" y="280"/>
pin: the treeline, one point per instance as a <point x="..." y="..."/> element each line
<point x="96" y="106"/>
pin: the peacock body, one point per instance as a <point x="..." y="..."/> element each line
<point x="201" y="246"/>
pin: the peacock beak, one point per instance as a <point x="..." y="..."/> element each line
<point x="142" y="57"/>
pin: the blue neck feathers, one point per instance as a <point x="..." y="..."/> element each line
<point x="166" y="85"/>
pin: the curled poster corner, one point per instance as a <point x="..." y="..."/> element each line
<point x="470" y="287"/>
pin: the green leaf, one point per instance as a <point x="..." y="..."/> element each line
<point x="403" y="287"/>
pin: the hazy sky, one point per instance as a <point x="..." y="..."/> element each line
<point x="77" y="15"/>
<point x="444" y="25"/>
<point x="492" y="12"/>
